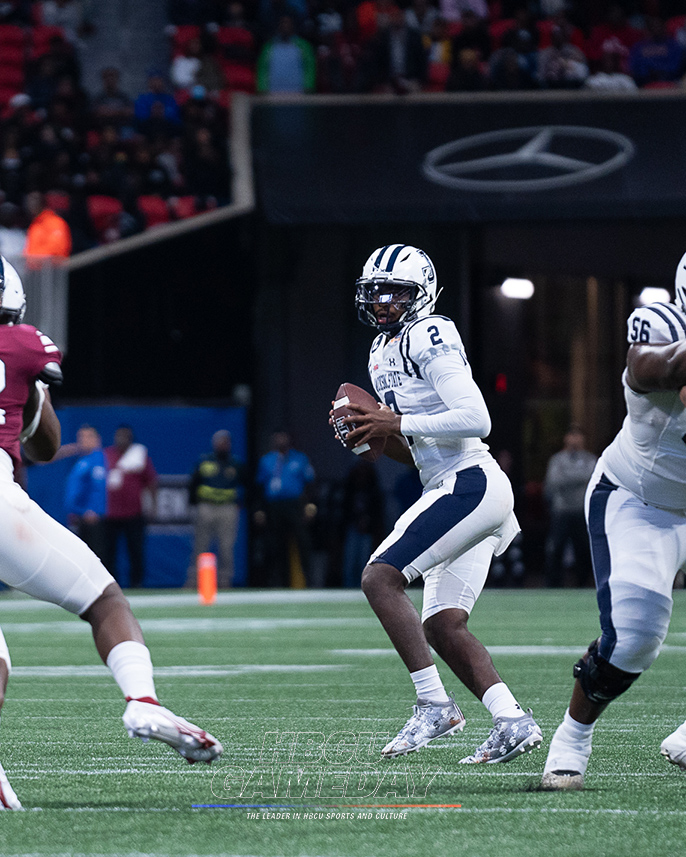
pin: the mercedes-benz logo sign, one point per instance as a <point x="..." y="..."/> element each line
<point x="550" y="152"/>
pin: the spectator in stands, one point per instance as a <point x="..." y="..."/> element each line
<point x="438" y="47"/>
<point x="561" y="65"/>
<point x="206" y="168"/>
<point x="614" y="27"/>
<point x="473" y="35"/>
<point x="156" y="102"/>
<point x="287" y="62"/>
<point x="130" y="477"/>
<point x="456" y="10"/>
<point x="48" y="236"/>
<point x="399" y="60"/>
<point x="523" y="38"/>
<point x="113" y="106"/>
<point x="185" y="66"/>
<point x="373" y="16"/>
<point x="657" y="59"/>
<point x="200" y="111"/>
<point x="420" y="15"/>
<point x="183" y="12"/>
<point x="610" y="77"/>
<point x="12" y="236"/>
<point x="509" y="71"/>
<point x="466" y="74"/>
<point x="42" y="82"/>
<point x="69" y="15"/>
<point x="12" y="166"/>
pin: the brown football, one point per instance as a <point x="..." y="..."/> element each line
<point x="346" y="394"/>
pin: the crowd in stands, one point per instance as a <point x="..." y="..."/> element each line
<point x="114" y="163"/>
<point x="401" y="46"/>
<point x="110" y="163"/>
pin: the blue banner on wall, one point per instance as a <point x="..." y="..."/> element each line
<point x="175" y="437"/>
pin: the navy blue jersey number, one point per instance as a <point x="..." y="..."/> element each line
<point x="435" y="336"/>
<point x="640" y="330"/>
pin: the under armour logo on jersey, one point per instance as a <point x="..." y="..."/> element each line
<point x="391" y="362"/>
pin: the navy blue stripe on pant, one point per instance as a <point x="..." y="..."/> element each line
<point x="602" y="564"/>
<point x="433" y="523"/>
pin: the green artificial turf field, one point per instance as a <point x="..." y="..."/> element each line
<point x="260" y="670"/>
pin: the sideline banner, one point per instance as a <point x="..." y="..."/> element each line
<point x="175" y="437"/>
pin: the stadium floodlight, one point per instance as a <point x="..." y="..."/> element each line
<point x="654" y="295"/>
<point x="519" y="289"/>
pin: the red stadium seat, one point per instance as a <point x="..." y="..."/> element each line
<point x="674" y="24"/>
<point x="545" y="28"/>
<point x="12" y="54"/>
<point x="6" y="92"/>
<point x="497" y="30"/>
<point x="104" y="213"/>
<point x="182" y="36"/>
<point x="58" y="201"/>
<point x="40" y="39"/>
<point x="12" y="76"/>
<point x="239" y="77"/>
<point x="183" y="207"/>
<point x="12" y="35"/>
<point x="154" y="209"/>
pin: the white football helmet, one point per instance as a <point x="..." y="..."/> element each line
<point x="680" y="284"/>
<point x="402" y="267"/>
<point x="12" y="297"/>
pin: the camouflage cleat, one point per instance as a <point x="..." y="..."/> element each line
<point x="509" y="738"/>
<point x="430" y="720"/>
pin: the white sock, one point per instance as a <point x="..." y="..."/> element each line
<point x="428" y="684"/>
<point x="575" y="731"/>
<point x="131" y="667"/>
<point x="499" y="700"/>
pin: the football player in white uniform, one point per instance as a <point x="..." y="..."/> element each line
<point x="636" y="516"/>
<point x="42" y="558"/>
<point x="435" y="416"/>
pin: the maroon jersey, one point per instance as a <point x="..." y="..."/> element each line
<point x="24" y="353"/>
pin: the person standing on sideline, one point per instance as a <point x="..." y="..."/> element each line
<point x="565" y="485"/>
<point x="216" y="490"/>
<point x="435" y="415"/>
<point x="43" y="559"/>
<point x="636" y="513"/>
<point x="85" y="498"/>
<point x="283" y="477"/>
<point x="130" y="474"/>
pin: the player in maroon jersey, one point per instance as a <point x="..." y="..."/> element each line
<point x="42" y="558"/>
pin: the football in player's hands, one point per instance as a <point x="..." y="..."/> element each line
<point x="347" y="394"/>
<point x="682" y="396"/>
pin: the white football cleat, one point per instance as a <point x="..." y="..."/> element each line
<point x="8" y="799"/>
<point x="508" y="739"/>
<point x="429" y="720"/>
<point x="566" y="763"/>
<point x="146" y="720"/>
<point x="673" y="748"/>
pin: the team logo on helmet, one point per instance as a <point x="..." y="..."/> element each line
<point x="396" y="274"/>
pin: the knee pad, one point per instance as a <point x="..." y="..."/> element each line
<point x="599" y="680"/>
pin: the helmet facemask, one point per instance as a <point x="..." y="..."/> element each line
<point x="387" y="296"/>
